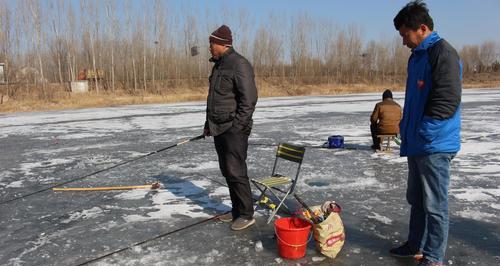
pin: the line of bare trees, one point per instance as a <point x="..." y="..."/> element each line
<point x="144" y="45"/>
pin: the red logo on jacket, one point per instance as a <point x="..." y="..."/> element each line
<point x="420" y="84"/>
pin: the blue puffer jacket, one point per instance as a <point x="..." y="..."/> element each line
<point x="431" y="114"/>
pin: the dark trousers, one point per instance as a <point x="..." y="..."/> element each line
<point x="376" y="141"/>
<point x="231" y="149"/>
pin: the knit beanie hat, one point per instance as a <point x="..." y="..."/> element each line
<point x="387" y="94"/>
<point x="222" y="36"/>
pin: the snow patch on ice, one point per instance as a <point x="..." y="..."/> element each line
<point x="484" y="168"/>
<point x="15" y="184"/>
<point x="344" y="183"/>
<point x="220" y="191"/>
<point x="73" y="148"/>
<point x="27" y="168"/>
<point x="476" y="215"/>
<point x="82" y="136"/>
<point x="182" y="198"/>
<point x="380" y="218"/>
<point x="495" y="206"/>
<point x="392" y="156"/>
<point x="5" y="174"/>
<point x="42" y="240"/>
<point x="369" y="173"/>
<point x="153" y="256"/>
<point x="133" y="194"/>
<point x="84" y="214"/>
<point x="193" y="167"/>
<point x="476" y="147"/>
<point x="475" y="194"/>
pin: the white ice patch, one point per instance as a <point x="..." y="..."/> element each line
<point x="495" y="206"/>
<point x="380" y="218"/>
<point x="475" y="194"/>
<point x="82" y="136"/>
<point x="153" y="256"/>
<point x="345" y="183"/>
<point x="184" y="198"/>
<point x="369" y="173"/>
<point x="193" y="167"/>
<point x="133" y="194"/>
<point x="27" y="168"/>
<point x="84" y="214"/>
<point x="392" y="156"/>
<point x="42" y="240"/>
<point x="220" y="191"/>
<point x="15" y="184"/>
<point x="5" y="174"/>
<point x="476" y="215"/>
<point x="484" y="168"/>
<point x="475" y="147"/>
<point x="356" y="250"/>
<point x="73" y="148"/>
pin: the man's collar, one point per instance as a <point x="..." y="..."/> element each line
<point x="428" y="41"/>
<point x="229" y="51"/>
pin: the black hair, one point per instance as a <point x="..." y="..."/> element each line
<point x="414" y="14"/>
<point x="387" y="94"/>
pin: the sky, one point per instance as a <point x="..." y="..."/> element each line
<point x="461" y="22"/>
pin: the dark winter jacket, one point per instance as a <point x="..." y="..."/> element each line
<point x="232" y="94"/>
<point x="431" y="115"/>
<point x="386" y="116"/>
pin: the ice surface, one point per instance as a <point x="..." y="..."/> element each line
<point x="45" y="148"/>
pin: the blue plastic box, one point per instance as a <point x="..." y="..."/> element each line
<point x="336" y="141"/>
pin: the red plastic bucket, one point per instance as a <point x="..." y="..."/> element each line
<point x="292" y="234"/>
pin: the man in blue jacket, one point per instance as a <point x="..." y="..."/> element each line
<point x="430" y="132"/>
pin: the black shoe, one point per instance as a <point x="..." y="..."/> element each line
<point x="405" y="251"/>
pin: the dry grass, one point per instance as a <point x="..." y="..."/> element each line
<point x="59" y="99"/>
<point x="92" y="99"/>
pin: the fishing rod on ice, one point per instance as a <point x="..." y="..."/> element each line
<point x="103" y="170"/>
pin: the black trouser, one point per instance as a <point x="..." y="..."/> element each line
<point x="376" y="141"/>
<point x="232" y="148"/>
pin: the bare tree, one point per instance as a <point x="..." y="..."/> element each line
<point x="488" y="54"/>
<point x="112" y="27"/>
<point x="149" y="52"/>
<point x="36" y="19"/>
<point x="471" y="58"/>
<point x="6" y="38"/>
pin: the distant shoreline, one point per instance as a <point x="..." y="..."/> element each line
<point x="94" y="100"/>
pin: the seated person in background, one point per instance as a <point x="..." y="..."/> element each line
<point x="385" y="118"/>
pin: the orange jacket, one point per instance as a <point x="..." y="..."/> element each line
<point x="386" y="116"/>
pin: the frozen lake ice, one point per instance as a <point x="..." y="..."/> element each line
<point x="41" y="149"/>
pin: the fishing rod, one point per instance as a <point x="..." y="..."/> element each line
<point x="150" y="239"/>
<point x="102" y="170"/>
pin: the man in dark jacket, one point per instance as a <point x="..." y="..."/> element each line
<point x="232" y="96"/>
<point x="430" y="132"/>
<point x="385" y="118"/>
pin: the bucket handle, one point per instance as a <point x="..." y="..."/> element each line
<point x="293" y="245"/>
